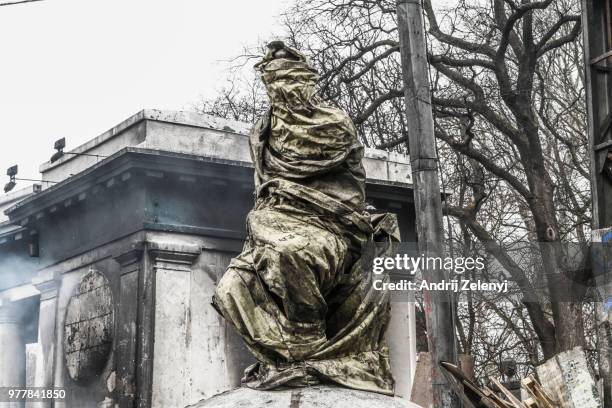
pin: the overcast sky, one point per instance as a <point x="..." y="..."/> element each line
<point x="75" y="68"/>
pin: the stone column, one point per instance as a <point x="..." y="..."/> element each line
<point x="215" y="346"/>
<point x="127" y="320"/>
<point x="48" y="288"/>
<point x="401" y="336"/>
<point x="12" y="350"/>
<point x="172" y="266"/>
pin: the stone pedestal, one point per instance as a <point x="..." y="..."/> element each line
<point x="313" y="397"/>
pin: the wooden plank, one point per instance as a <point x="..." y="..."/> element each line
<point x="459" y="392"/>
<point x="421" y="388"/>
<point x="470" y="394"/>
<point x="511" y="398"/>
<point x="497" y="399"/>
<point x="534" y="389"/>
<point x="601" y="57"/>
<point x="603" y="146"/>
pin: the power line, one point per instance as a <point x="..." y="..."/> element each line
<point x="18" y="2"/>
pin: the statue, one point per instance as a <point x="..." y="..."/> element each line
<point x="297" y="294"/>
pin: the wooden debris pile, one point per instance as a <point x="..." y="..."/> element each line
<point x="566" y="378"/>
<point x="474" y="396"/>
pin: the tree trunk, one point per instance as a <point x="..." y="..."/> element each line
<point x="565" y="294"/>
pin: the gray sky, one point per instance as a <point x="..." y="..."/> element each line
<point x="75" y="68"/>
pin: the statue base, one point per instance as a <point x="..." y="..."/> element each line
<point x="320" y="396"/>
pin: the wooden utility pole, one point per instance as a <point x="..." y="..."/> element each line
<point x="427" y="197"/>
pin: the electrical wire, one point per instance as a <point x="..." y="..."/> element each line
<point x="18" y="2"/>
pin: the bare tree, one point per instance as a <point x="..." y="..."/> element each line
<point x="508" y="103"/>
<point x="243" y="99"/>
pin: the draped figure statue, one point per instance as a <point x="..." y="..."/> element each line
<point x="297" y="294"/>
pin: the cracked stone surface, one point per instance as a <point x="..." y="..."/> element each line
<point x="313" y="397"/>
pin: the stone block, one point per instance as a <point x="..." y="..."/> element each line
<point x="567" y="377"/>
<point x="312" y="397"/>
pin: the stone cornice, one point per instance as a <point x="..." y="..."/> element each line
<point x="122" y="167"/>
<point x="177" y="257"/>
<point x="129" y="259"/>
<point x="125" y="164"/>
<point x="48" y="286"/>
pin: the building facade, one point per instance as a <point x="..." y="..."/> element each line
<point x="107" y="271"/>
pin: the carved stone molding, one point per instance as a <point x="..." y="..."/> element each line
<point x="176" y="257"/>
<point x="48" y="287"/>
<point x="129" y="260"/>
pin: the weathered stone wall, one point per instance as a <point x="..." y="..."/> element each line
<point x="196" y="355"/>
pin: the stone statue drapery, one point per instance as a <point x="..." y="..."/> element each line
<point x="297" y="293"/>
